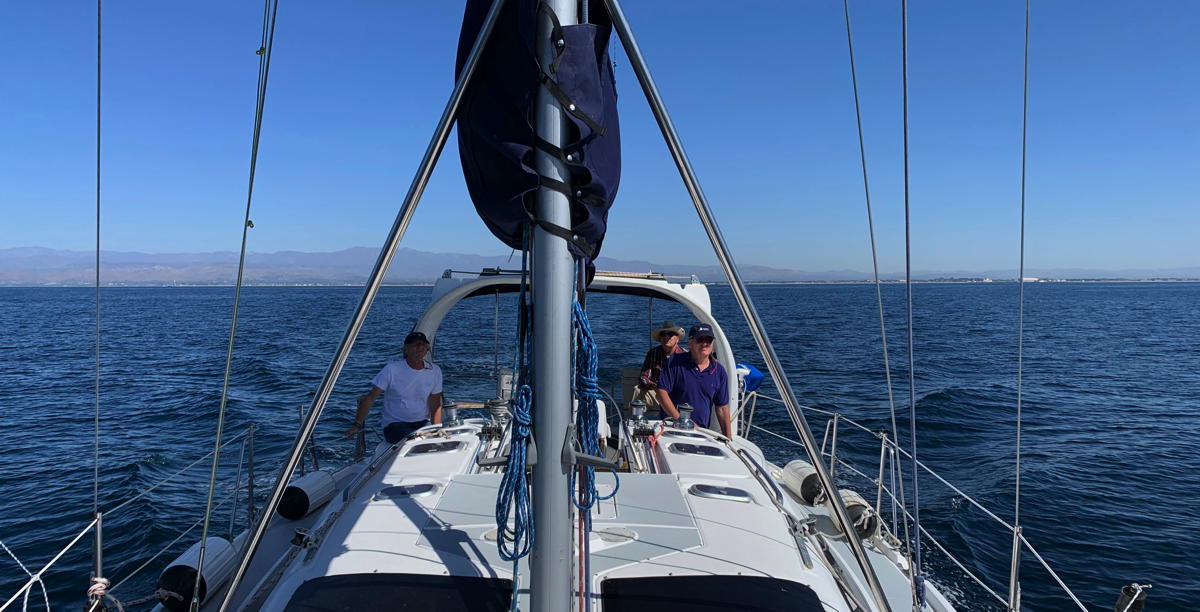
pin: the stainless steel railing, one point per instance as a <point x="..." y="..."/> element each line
<point x="889" y="450"/>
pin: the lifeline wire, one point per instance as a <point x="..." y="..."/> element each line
<point x="1020" y="319"/>
<point x="862" y="153"/>
<point x="918" y="577"/>
<point x="270" y="10"/>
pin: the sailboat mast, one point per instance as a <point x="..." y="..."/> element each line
<point x="553" y="274"/>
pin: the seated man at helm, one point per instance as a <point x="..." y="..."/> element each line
<point x="695" y="378"/>
<point x="668" y="337"/>
<point x="411" y="389"/>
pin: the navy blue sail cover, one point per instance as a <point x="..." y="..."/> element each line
<point x="496" y="129"/>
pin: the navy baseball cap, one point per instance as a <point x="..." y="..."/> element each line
<point x="701" y="330"/>
<point x="415" y="337"/>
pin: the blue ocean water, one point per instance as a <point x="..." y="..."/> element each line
<point x="1110" y="445"/>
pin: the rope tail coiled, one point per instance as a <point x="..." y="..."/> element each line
<point x="513" y="496"/>
<point x="587" y="416"/>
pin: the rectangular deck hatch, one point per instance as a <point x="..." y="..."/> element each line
<point x="434" y="447"/>
<point x="685" y="448"/>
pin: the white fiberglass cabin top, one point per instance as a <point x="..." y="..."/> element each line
<point x="698" y="522"/>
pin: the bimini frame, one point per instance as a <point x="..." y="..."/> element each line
<point x="693" y="295"/>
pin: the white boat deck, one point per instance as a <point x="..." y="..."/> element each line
<point x="426" y="508"/>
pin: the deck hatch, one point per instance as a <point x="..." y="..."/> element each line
<point x="405" y="491"/>
<point x="718" y="492"/>
<point x="684" y="434"/>
<point x="684" y="448"/>
<point x="434" y="447"/>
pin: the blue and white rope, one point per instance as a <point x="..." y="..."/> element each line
<point x="37" y="579"/>
<point x="587" y="415"/>
<point x="513" y="495"/>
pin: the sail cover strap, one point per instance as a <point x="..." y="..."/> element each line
<point x="496" y="134"/>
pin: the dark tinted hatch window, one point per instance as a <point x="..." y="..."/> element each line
<point x="369" y="592"/>
<point x="707" y="594"/>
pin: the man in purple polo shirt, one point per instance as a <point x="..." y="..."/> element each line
<point x="695" y="378"/>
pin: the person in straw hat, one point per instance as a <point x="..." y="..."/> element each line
<point x="668" y="337"/>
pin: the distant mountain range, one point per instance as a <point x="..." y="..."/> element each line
<point x="37" y="266"/>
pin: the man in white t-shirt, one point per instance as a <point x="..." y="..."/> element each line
<point x="411" y="389"/>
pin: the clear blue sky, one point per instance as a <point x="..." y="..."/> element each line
<point x="760" y="92"/>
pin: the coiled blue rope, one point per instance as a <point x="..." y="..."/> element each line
<point x="513" y="495"/>
<point x="587" y="415"/>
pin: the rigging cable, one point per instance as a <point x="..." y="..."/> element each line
<point x="918" y="577"/>
<point x="98" y="569"/>
<point x="862" y="152"/>
<point x="1014" y="588"/>
<point x="270" y="10"/>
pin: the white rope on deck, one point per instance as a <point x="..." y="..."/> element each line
<point x="45" y="596"/>
<point x="37" y="577"/>
<point x="98" y="592"/>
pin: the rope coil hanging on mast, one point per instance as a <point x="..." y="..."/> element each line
<point x="587" y="415"/>
<point x="513" y="495"/>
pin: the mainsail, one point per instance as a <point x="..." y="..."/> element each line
<point x="496" y="132"/>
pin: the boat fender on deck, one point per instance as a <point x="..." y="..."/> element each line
<point x="800" y="478"/>
<point x="862" y="514"/>
<point x="307" y="493"/>
<point x="180" y="576"/>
